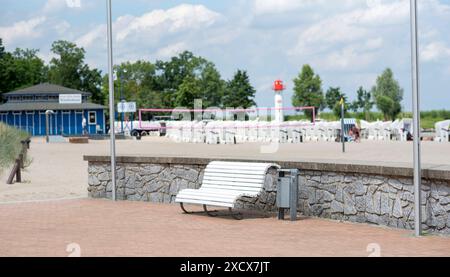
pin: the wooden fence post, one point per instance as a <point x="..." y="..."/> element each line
<point x="15" y="172"/>
<point x="19" y="164"/>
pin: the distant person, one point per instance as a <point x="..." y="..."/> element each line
<point x="84" y="125"/>
<point x="351" y="135"/>
<point x="409" y="136"/>
<point x="356" y="134"/>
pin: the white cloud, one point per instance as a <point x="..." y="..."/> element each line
<point x="96" y="34"/>
<point x="54" y="6"/>
<point x="25" y="29"/>
<point x="374" y="44"/>
<point x="171" y="50"/>
<point x="62" y="27"/>
<point x="435" y="51"/>
<point x="180" y="18"/>
<point x="352" y="57"/>
<point x="266" y="7"/>
<point x="154" y="25"/>
<point x="352" y="39"/>
<point x="261" y="7"/>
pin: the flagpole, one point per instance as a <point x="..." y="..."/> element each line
<point x="111" y="102"/>
<point x="342" y="125"/>
<point x="416" y="123"/>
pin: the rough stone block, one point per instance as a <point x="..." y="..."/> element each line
<point x="373" y="203"/>
<point x="397" y="211"/>
<point x="337" y="207"/>
<point x="93" y="181"/>
<point x="385" y="204"/>
<point x="104" y="176"/>
<point x="395" y="183"/>
<point x="408" y="196"/>
<point x="360" y="189"/>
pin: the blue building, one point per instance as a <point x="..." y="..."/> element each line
<point x="25" y="109"/>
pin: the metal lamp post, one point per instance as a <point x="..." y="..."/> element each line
<point x="342" y="103"/>
<point x="47" y="125"/>
<point x="122" y="98"/>
<point x="416" y="120"/>
<point x="111" y="101"/>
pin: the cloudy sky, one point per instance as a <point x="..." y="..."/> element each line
<point x="348" y="42"/>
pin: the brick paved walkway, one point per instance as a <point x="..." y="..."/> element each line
<point x="104" y="228"/>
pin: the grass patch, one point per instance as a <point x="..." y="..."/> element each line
<point x="10" y="145"/>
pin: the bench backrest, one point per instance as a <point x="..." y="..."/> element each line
<point x="236" y="176"/>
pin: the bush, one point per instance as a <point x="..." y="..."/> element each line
<point x="10" y="145"/>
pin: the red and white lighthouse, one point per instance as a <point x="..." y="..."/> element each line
<point x="278" y="87"/>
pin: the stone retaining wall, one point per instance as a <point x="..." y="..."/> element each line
<point x="341" y="195"/>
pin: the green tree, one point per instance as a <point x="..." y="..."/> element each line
<point x="171" y="75"/>
<point x="188" y="91"/>
<point x="364" y="102"/>
<point x="333" y="98"/>
<point x="91" y="81"/>
<point x="388" y="95"/>
<point x="2" y="48"/>
<point x="139" y="83"/>
<point x="212" y="86"/>
<point x="239" y="92"/>
<point x="69" y="69"/>
<point x="20" y="69"/>
<point x="65" y="69"/>
<point x="308" y="90"/>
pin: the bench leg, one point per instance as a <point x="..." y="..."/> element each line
<point x="210" y="213"/>
<point x="237" y="216"/>
<point x="184" y="210"/>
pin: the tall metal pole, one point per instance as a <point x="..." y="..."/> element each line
<point x="111" y="102"/>
<point x="342" y="124"/>
<point x="121" y="101"/>
<point x="416" y="123"/>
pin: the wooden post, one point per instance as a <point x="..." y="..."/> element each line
<point x="18" y="172"/>
<point x="24" y="152"/>
<point x="15" y="172"/>
<point x="21" y="161"/>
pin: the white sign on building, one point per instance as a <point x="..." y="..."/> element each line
<point x="70" y="99"/>
<point x="126" y="107"/>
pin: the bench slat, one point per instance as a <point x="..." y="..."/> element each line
<point x="249" y="168"/>
<point x="235" y="175"/>
<point x="233" y="179"/>
<point x="232" y="188"/>
<point x="210" y="192"/>
<point x="221" y="192"/>
<point x="237" y="171"/>
<point x="234" y="184"/>
<point x="208" y="198"/>
<point x="237" y="164"/>
<point x="210" y="203"/>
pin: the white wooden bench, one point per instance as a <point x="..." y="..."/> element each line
<point x="224" y="183"/>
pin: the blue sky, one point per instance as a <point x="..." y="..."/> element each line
<point x="348" y="42"/>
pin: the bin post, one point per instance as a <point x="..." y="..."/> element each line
<point x="293" y="201"/>
<point x="287" y="193"/>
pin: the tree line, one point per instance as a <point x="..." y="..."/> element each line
<point x="162" y="84"/>
<point x="180" y="80"/>
<point x="386" y="95"/>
